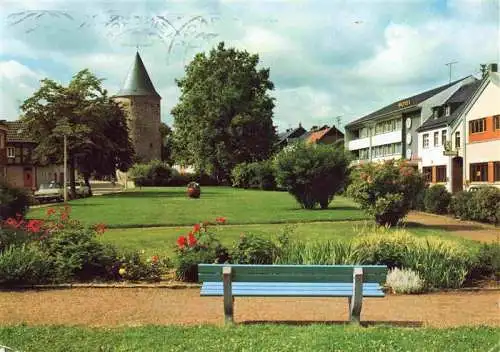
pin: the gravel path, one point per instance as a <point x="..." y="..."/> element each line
<point x="134" y="307"/>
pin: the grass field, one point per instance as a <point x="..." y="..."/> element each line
<point x="171" y="207"/>
<point x="257" y="338"/>
<point x="161" y="240"/>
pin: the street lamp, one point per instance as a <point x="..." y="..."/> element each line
<point x="65" y="187"/>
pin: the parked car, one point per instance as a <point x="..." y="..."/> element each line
<point x="49" y="192"/>
<point x="82" y="190"/>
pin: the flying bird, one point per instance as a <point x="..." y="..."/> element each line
<point x="358" y="22"/>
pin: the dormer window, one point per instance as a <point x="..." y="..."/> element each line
<point x="447" y="110"/>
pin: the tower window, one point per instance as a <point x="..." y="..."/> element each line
<point x="151" y="145"/>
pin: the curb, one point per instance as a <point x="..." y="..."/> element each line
<point x="117" y="285"/>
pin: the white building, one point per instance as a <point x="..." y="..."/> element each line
<point x="390" y="133"/>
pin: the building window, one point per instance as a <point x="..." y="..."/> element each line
<point x="479" y="172"/>
<point x="2" y="140"/>
<point x="457" y="139"/>
<point x="443" y="137"/>
<point x="477" y="126"/>
<point x="436" y="139"/>
<point x="427" y="172"/>
<point x="447" y="110"/>
<point x="496" y="171"/>
<point x="496" y="122"/>
<point x="11" y="152"/>
<point x="440" y="173"/>
<point x="363" y="154"/>
<point x="425" y="141"/>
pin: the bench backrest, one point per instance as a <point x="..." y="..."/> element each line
<point x="291" y="273"/>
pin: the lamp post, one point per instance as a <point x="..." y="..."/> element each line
<point x="65" y="187"/>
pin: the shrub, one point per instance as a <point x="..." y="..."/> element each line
<point x="13" y="201"/>
<point x="77" y="255"/>
<point x="154" y="173"/>
<point x="200" y="246"/>
<point x="386" y="190"/>
<point x="485" y="204"/>
<point x="437" y="199"/>
<point x="24" y="265"/>
<point x="384" y="247"/>
<point x="132" y="267"/>
<point x="178" y="179"/>
<point x="251" y="249"/>
<point x="12" y="236"/>
<point x="404" y="281"/>
<point x="258" y="175"/>
<point x="460" y="205"/>
<point x="312" y="173"/>
<point x="486" y="263"/>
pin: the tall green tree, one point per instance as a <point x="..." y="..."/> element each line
<point x="94" y="124"/>
<point x="224" y="114"/>
<point x="166" y="140"/>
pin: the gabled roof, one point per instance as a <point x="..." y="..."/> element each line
<point x="318" y="135"/>
<point x="17" y="133"/>
<point x="462" y="95"/>
<point x="415" y="99"/>
<point x="138" y="82"/>
<point x="291" y="134"/>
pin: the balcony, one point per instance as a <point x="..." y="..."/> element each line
<point x="359" y="143"/>
<point x="387" y="138"/>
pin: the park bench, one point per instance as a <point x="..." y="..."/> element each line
<point x="241" y="280"/>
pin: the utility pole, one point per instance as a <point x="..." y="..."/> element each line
<point x="449" y="64"/>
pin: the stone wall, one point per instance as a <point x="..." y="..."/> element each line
<point x="143" y="119"/>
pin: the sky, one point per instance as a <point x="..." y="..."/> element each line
<point x="329" y="59"/>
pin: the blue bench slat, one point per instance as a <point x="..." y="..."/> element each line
<point x="296" y="284"/>
<point x="290" y="289"/>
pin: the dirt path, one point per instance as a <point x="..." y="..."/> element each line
<point x="467" y="229"/>
<point x="133" y="307"/>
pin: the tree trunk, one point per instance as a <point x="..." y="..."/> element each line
<point x="86" y="179"/>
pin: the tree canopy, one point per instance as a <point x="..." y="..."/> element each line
<point x="224" y="114"/>
<point x="94" y="124"/>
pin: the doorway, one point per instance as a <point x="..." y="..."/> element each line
<point x="28" y="178"/>
<point x="457" y="175"/>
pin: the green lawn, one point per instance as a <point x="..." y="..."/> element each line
<point x="161" y="240"/>
<point x="171" y="207"/>
<point x="257" y="338"/>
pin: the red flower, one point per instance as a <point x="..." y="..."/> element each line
<point x="11" y="222"/>
<point x="154" y="259"/>
<point x="196" y="228"/>
<point x="181" y="241"/>
<point x="100" y="228"/>
<point x="192" y="240"/>
<point x="18" y="216"/>
<point x="220" y="220"/>
<point x="50" y="211"/>
<point x="34" y="226"/>
<point x="64" y="216"/>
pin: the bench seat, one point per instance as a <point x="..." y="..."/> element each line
<point x="290" y="289"/>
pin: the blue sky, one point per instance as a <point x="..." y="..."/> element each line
<point x="328" y="58"/>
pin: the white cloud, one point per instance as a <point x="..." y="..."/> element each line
<point x="17" y="82"/>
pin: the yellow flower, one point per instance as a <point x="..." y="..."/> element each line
<point x="122" y="271"/>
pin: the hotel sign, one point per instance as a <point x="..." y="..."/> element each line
<point x="404" y="103"/>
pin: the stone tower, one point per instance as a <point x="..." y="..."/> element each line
<point x="142" y="104"/>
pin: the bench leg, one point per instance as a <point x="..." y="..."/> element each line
<point x="228" y="295"/>
<point x="356" y="301"/>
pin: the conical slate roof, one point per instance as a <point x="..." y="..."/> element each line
<point x="138" y="81"/>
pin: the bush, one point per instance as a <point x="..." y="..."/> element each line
<point x="258" y="175"/>
<point x="178" y="179"/>
<point x="251" y="249"/>
<point x="481" y="205"/>
<point x="404" y="281"/>
<point x="386" y="190"/>
<point x="13" y="201"/>
<point x="132" y="267"/>
<point x="154" y="173"/>
<point x="77" y="255"/>
<point x="486" y="263"/>
<point x="437" y="199"/>
<point x="312" y="173"/>
<point x="12" y="236"/>
<point x="200" y="246"/>
<point x="318" y="253"/>
<point x="485" y="204"/>
<point x="24" y="265"/>
<point x="460" y="205"/>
